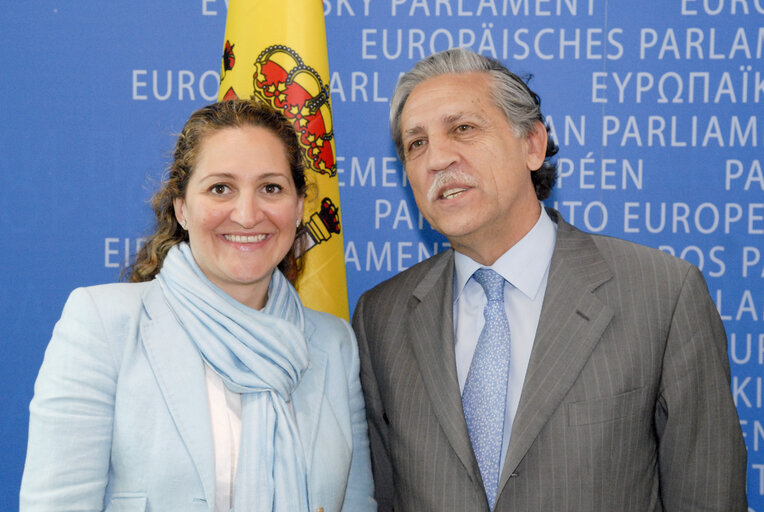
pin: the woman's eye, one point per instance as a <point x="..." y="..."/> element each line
<point x="218" y="189"/>
<point x="272" y="188"/>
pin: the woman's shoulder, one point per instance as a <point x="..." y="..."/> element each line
<point x="325" y="323"/>
<point x="325" y="320"/>
<point x="327" y="330"/>
<point x="333" y="337"/>
<point x="108" y="291"/>
<point x="97" y="325"/>
<point x="111" y="293"/>
<point x="113" y="300"/>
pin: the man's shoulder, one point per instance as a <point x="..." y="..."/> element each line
<point x="624" y="254"/>
<point x="405" y="282"/>
<point x="621" y="254"/>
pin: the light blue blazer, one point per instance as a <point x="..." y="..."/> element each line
<point x="120" y="419"/>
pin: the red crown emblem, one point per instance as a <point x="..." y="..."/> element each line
<point x="282" y="80"/>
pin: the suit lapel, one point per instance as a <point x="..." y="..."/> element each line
<point x="571" y="323"/>
<point x="431" y="331"/>
<point x="308" y="396"/>
<point x="179" y="371"/>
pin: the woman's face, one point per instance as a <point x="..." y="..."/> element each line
<point x="241" y="209"/>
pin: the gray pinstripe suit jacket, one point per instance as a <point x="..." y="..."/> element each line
<point x="626" y="404"/>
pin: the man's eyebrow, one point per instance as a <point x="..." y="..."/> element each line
<point x="460" y="116"/>
<point x="414" y="131"/>
<point x="453" y="118"/>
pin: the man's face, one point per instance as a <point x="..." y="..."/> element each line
<point x="467" y="168"/>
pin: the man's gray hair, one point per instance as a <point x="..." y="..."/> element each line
<point x="509" y="91"/>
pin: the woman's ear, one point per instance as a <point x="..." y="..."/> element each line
<point x="179" y="205"/>
<point x="300" y="209"/>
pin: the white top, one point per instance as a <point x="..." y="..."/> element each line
<point x="525" y="266"/>
<point x="225" y="413"/>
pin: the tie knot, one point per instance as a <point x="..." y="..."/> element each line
<point x="492" y="283"/>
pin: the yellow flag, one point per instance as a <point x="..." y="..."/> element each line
<point x="276" y="51"/>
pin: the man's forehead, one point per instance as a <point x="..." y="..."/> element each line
<point x="452" y="92"/>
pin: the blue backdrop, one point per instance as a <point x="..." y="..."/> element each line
<point x="656" y="107"/>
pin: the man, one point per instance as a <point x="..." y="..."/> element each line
<point x="595" y="379"/>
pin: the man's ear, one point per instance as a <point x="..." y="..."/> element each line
<point x="536" y="146"/>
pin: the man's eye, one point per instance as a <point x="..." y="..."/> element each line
<point x="463" y="128"/>
<point x="416" y="144"/>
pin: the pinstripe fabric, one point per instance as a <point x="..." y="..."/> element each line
<point x="625" y="407"/>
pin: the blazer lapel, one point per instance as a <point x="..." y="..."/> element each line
<point x="431" y="332"/>
<point x="309" y="394"/>
<point x="179" y="370"/>
<point x="571" y="323"/>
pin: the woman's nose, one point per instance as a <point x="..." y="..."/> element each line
<point x="246" y="212"/>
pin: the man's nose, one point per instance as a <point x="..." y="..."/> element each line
<point x="441" y="153"/>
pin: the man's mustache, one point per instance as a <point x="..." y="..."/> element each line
<point x="445" y="178"/>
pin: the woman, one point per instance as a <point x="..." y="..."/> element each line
<point x="205" y="384"/>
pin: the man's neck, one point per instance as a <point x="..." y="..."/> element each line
<point x="486" y="247"/>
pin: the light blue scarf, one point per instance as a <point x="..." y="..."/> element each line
<point x="260" y="354"/>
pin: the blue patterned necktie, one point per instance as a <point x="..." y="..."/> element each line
<point x="485" y="392"/>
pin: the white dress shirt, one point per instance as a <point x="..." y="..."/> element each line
<point x="525" y="267"/>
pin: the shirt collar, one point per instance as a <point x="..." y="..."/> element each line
<point x="523" y="265"/>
